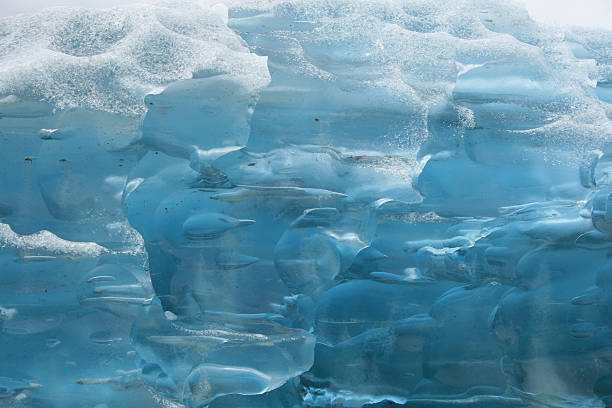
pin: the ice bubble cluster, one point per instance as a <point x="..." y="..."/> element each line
<point x="271" y="203"/>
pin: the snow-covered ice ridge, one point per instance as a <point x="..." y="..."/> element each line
<point x="304" y="204"/>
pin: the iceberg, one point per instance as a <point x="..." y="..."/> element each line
<point x="301" y="203"/>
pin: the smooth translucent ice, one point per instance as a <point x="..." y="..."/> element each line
<point x="304" y="204"/>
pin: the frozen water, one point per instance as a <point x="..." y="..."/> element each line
<point x="304" y="204"/>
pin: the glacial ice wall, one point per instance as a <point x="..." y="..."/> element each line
<point x="304" y="204"/>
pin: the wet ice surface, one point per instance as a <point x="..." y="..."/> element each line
<point x="304" y="204"/>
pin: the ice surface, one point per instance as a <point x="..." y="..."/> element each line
<point x="304" y="204"/>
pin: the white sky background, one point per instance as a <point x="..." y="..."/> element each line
<point x="590" y="13"/>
